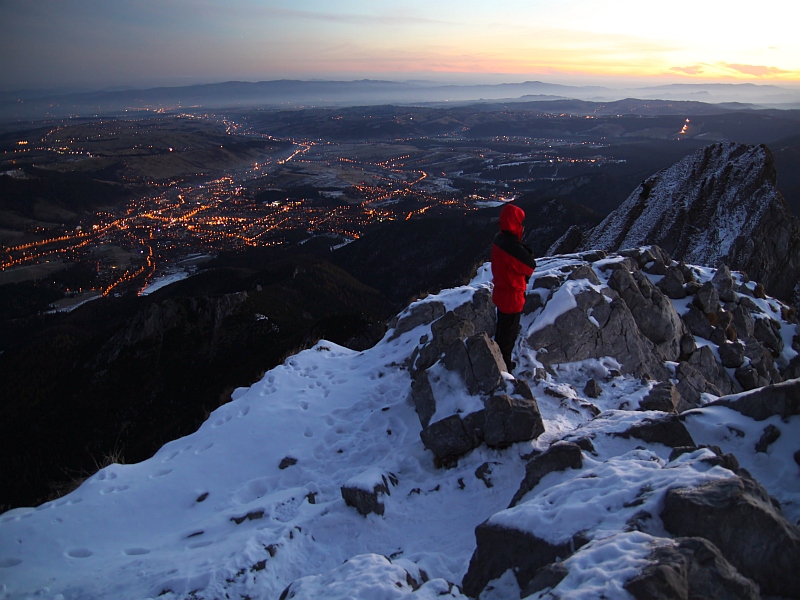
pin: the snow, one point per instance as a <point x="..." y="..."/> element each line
<point x="451" y="394"/>
<point x="164" y="281"/>
<point x="602" y="499"/>
<point x="213" y="514"/>
<point x="601" y="568"/>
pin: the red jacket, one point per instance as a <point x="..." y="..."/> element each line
<point x="512" y="262"/>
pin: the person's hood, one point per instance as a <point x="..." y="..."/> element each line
<point x="511" y="218"/>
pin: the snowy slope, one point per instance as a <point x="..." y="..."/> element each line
<point x="251" y="502"/>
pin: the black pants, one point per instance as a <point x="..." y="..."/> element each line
<point x="506" y="334"/>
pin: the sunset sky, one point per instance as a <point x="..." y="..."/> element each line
<point x="100" y="43"/>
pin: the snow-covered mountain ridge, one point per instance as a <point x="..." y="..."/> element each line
<point x="252" y="506"/>
<point x="719" y="204"/>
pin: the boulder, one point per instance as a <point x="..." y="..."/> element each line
<point x="626" y="264"/>
<point x="723" y="278"/>
<point x="698" y="323"/>
<point x="768" y="332"/>
<point x="672" y="284"/>
<point x="668" y="430"/>
<point x="664" y="397"/>
<point x="509" y="420"/>
<point x="768" y="437"/>
<point x="707" y="299"/>
<point x="592" y="388"/>
<point x="558" y="457"/>
<point x="704" y="361"/>
<point x="454" y="436"/>
<point x="548" y="282"/>
<point x="731" y="354"/>
<point x="782" y="399"/>
<point x="738" y="517"/>
<point x="690" y="568"/>
<point x="500" y="549"/>
<point x="365" y="491"/>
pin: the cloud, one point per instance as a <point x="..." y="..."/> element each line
<point x="356" y="19"/>
<point x="756" y="70"/>
<point x="693" y="70"/>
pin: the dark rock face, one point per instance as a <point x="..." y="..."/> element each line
<point x="719" y="204"/>
<point x="668" y="430"/>
<point x="692" y="568"/>
<point x="738" y="517"/>
<point x="499" y="549"/>
<point x="781" y="399"/>
<point x="558" y="457"/>
<point x="154" y="321"/>
<point x="368" y="501"/>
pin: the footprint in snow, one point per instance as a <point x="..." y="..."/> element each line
<point x="244" y="412"/>
<point x="161" y="473"/>
<point x="171" y="456"/>
<point x="204" y="448"/>
<point x="136" y="551"/>
<point x="222" y="421"/>
<point x="79" y="553"/>
<point x="7" y="563"/>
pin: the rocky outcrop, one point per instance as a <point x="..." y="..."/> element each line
<point x="782" y="399"/>
<point x="738" y="516"/>
<point x="500" y="549"/>
<point x="597" y="328"/>
<point x="667" y="430"/>
<point x="690" y="568"/>
<point x="719" y="204"/>
<point x="558" y="457"/>
<point x="462" y="361"/>
<point x="152" y="322"/>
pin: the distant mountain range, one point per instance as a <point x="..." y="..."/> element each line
<point x="33" y="104"/>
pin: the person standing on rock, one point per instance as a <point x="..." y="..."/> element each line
<point x="512" y="266"/>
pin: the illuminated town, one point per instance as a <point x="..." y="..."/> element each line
<point x="296" y="190"/>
